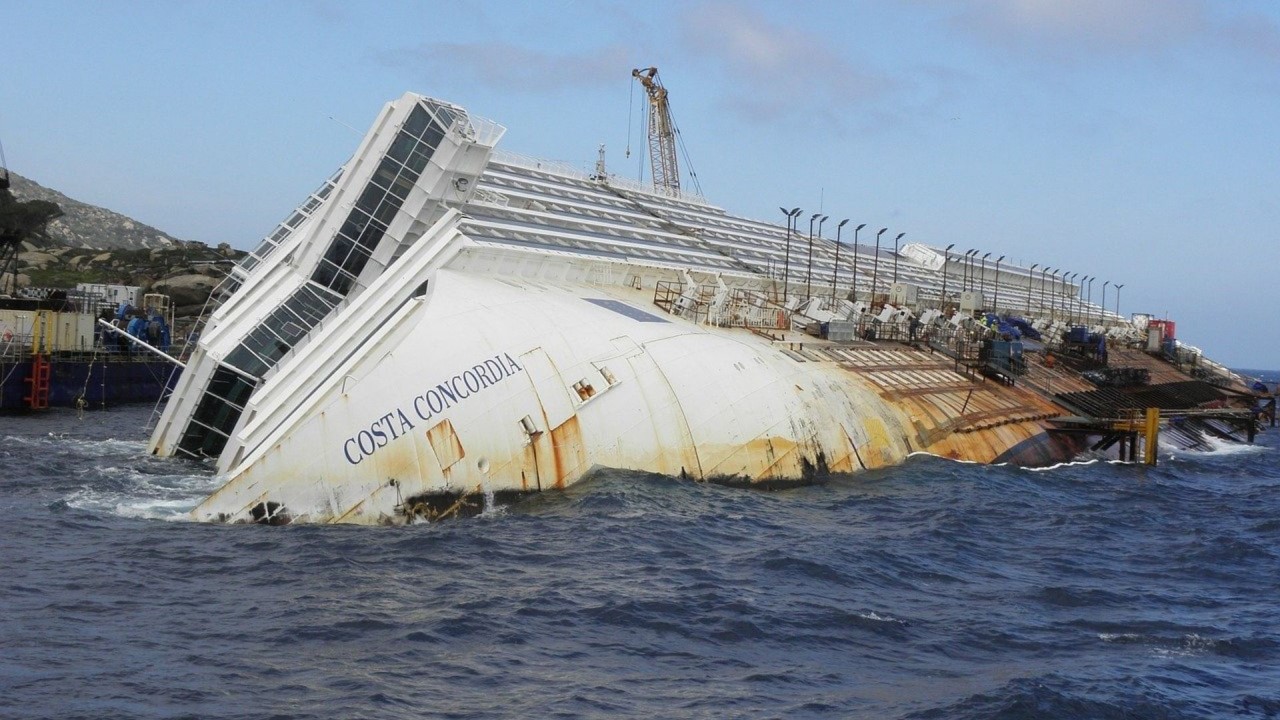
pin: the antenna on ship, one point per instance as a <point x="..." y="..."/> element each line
<point x="664" y="136"/>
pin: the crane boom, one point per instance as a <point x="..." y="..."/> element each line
<point x="662" y="133"/>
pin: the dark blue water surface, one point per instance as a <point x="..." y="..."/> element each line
<point x="932" y="590"/>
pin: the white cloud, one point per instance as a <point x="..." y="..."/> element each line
<point x="780" y="70"/>
<point x="1078" y="30"/>
<point x="514" y="68"/>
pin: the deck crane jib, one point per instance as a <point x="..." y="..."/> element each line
<point x="662" y="133"/>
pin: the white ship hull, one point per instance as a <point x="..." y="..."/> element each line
<point x="470" y="389"/>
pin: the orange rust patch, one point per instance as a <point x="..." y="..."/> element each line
<point x="567" y="450"/>
<point x="444" y="441"/>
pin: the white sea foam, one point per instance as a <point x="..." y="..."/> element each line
<point x="1189" y="644"/>
<point x="1083" y="462"/>
<point x="872" y="615"/>
<point x="127" y="492"/>
<point x="1219" y="447"/>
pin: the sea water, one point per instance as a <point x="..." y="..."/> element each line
<point x="932" y="590"/>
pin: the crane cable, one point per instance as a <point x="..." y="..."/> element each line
<point x="631" y="104"/>
<point x="688" y="162"/>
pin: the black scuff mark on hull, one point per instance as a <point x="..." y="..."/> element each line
<point x="812" y="472"/>
<point x="269" y="512"/>
<point x="437" y="506"/>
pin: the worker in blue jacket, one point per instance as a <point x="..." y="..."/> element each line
<point x="137" y="328"/>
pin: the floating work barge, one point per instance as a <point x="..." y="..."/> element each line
<point x="53" y="354"/>
<point x="441" y="320"/>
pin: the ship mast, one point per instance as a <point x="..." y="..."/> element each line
<point x="662" y="133"/>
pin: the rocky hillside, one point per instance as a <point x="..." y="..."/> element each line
<point x="89" y="244"/>
<point x="187" y="273"/>
<point x="89" y="226"/>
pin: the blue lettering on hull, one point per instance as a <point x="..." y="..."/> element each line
<point x="438" y="398"/>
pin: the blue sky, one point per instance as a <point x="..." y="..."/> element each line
<point x="1135" y="140"/>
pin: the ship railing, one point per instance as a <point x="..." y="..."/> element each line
<point x="753" y="309"/>
<point x="557" y="167"/>
<point x="741" y="308"/>
<point x="673" y="297"/>
<point x="16" y="349"/>
<point x="483" y="131"/>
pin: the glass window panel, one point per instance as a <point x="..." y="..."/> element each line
<point x="370" y="198"/>
<point x="386" y="173"/>
<point x="339" y="250"/>
<point x="444" y="115"/>
<point x="341" y="282"/>
<point x="372" y="235"/>
<point x="418" y="160"/>
<point x="400" y="188"/>
<point x="324" y="273"/>
<point x="388" y="211"/>
<point x="401" y="146"/>
<point x="416" y="122"/>
<point x="432" y="138"/>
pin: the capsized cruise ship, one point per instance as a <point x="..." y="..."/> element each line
<point x="443" y="321"/>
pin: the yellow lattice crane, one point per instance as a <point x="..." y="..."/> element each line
<point x="662" y="133"/>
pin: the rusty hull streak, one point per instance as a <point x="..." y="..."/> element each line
<point x="568" y="453"/>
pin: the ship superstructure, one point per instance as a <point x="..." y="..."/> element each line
<point x="443" y="319"/>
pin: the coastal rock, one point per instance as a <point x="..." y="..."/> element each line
<point x="38" y="260"/>
<point x="190" y="289"/>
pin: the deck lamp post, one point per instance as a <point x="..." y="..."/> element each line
<point x="808" y="279"/>
<point x="875" y="267"/>
<point x="1053" y="294"/>
<point x="853" y="284"/>
<point x="1077" y="300"/>
<point x="835" y="274"/>
<point x="1084" y="314"/>
<point x="995" y="303"/>
<point x="946" y="254"/>
<point x="982" y="286"/>
<point x="1043" y="271"/>
<point x="895" y="257"/>
<point x="968" y="268"/>
<point x="1070" y="299"/>
<point x="1103" y="303"/>
<point x="786" y="263"/>
<point x="1031" y="277"/>
<point x="1089" y="294"/>
<point x="1118" y="286"/>
<point x="1062" y="296"/>
<point x="1087" y="311"/>
<point x="820" y="221"/>
<point x="1080" y="312"/>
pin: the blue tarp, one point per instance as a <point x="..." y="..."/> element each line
<point x="994" y="322"/>
<point x="1023" y="326"/>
